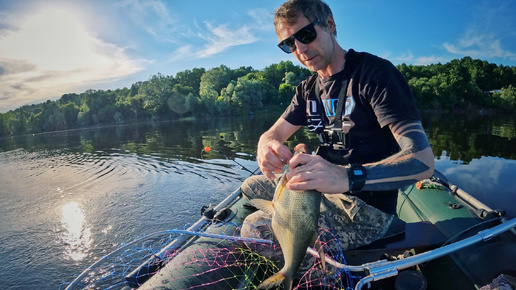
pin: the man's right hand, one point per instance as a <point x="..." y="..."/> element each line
<point x="272" y="156"/>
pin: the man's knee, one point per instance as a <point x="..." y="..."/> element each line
<point x="258" y="186"/>
<point x="257" y="225"/>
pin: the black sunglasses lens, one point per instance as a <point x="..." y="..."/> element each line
<point x="306" y="35"/>
<point x="288" y="45"/>
<point x="286" y="48"/>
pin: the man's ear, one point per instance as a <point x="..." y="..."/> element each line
<point x="330" y="24"/>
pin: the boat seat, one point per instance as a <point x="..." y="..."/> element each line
<point x="400" y="237"/>
<point x="403" y="236"/>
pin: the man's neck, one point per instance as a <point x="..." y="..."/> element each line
<point x="336" y="65"/>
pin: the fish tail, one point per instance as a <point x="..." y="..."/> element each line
<point x="276" y="280"/>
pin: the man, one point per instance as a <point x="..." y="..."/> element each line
<point x="371" y="138"/>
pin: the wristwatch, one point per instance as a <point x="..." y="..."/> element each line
<point x="357" y="175"/>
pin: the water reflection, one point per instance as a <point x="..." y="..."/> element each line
<point x="467" y="137"/>
<point x="77" y="235"/>
<point x="489" y="179"/>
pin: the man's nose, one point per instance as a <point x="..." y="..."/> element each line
<point x="300" y="47"/>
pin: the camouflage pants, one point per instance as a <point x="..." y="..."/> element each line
<point x="345" y="222"/>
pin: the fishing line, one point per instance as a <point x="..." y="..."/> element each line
<point x="208" y="149"/>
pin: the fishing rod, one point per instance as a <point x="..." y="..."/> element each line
<point x="208" y="149"/>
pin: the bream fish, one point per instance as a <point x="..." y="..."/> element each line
<point x="295" y="216"/>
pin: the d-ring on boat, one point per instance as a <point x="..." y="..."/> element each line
<point x="448" y="240"/>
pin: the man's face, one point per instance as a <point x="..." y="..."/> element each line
<point x="315" y="55"/>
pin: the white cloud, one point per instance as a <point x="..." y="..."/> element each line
<point x="50" y="54"/>
<point x="216" y="39"/>
<point x="152" y="16"/>
<point x="219" y="38"/>
<point x="409" y="58"/>
<point x="262" y="19"/>
<point x="479" y="46"/>
<point x="485" y="36"/>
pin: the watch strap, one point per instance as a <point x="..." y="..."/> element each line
<point x="357" y="176"/>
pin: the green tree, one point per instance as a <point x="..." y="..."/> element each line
<point x="5" y="121"/>
<point x="179" y="101"/>
<point x="212" y="83"/>
<point x="52" y="117"/>
<point x="507" y="98"/>
<point x="248" y="95"/>
<point x="84" y="117"/>
<point x="155" y="94"/>
<point x="215" y="79"/>
<point x="70" y="111"/>
<point x="191" y="78"/>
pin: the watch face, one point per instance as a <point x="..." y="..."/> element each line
<point x="358" y="172"/>
<point x="357" y="177"/>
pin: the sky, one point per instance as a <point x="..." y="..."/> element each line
<point x="53" y="47"/>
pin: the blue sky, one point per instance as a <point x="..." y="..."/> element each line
<point x="50" y="47"/>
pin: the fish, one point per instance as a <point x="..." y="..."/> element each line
<point x="294" y="219"/>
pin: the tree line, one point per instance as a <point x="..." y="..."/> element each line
<point x="460" y="84"/>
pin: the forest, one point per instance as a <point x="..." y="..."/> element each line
<point x="460" y="85"/>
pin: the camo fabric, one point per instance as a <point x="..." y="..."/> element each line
<point x="345" y="222"/>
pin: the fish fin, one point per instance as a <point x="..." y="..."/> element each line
<point x="319" y="248"/>
<point x="264" y="205"/>
<point x="276" y="280"/>
<point x="280" y="189"/>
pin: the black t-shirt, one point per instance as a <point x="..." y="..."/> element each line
<point x="377" y="95"/>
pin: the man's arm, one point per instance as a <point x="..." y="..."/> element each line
<point x="272" y="155"/>
<point x="414" y="162"/>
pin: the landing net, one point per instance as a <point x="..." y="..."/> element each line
<point x="210" y="261"/>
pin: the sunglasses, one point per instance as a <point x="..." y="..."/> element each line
<point x="304" y="35"/>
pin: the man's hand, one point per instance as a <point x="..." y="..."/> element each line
<point x="312" y="172"/>
<point x="271" y="154"/>
<point x="272" y="157"/>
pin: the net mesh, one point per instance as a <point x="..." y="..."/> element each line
<point x="215" y="261"/>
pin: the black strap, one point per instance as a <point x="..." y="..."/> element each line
<point x="337" y="121"/>
<point x="335" y="126"/>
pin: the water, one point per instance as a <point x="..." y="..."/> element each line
<point x="68" y="198"/>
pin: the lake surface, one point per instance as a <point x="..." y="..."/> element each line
<point x="67" y="199"/>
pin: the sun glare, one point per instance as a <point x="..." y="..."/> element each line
<point x="53" y="39"/>
<point x="52" y="52"/>
<point x="77" y="235"/>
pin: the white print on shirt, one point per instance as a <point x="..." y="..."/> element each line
<point x="314" y="117"/>
<point x="350" y="104"/>
<point x="330" y="107"/>
<point x="311" y="109"/>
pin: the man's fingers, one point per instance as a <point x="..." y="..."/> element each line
<point x="282" y="152"/>
<point x="299" y="159"/>
<point x="269" y="175"/>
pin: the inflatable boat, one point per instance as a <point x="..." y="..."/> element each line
<point x="444" y="239"/>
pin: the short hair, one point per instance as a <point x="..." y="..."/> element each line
<point x="290" y="11"/>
